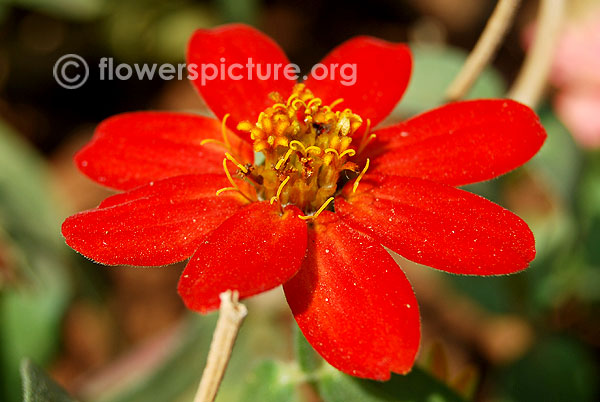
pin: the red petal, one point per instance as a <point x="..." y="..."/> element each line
<point x="225" y="46"/>
<point x="439" y="225"/>
<point x="157" y="224"/>
<point x="460" y="143"/>
<point x="353" y="303"/>
<point x="255" y="250"/>
<point x="132" y="149"/>
<point x="382" y="71"/>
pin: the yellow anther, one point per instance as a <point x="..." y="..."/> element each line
<point x="245" y="125"/>
<point x="335" y="103"/>
<point x="279" y="190"/>
<point x="279" y="106"/>
<point x="349" y="152"/>
<point x="236" y="163"/>
<point x="343" y="126"/>
<point x="360" y="176"/>
<point x="316" y="214"/>
<point x="284" y="159"/>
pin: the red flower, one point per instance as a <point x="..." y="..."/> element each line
<point x="274" y="223"/>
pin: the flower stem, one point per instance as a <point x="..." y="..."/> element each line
<point x="231" y="316"/>
<point x="484" y="50"/>
<point x="531" y="81"/>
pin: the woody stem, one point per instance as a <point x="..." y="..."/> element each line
<point x="484" y="50"/>
<point x="231" y="316"/>
<point x="531" y="81"/>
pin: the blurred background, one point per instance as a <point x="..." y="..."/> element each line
<point x="122" y="334"/>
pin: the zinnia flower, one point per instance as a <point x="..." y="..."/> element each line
<point x="316" y="212"/>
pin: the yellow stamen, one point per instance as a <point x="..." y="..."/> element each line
<point x="332" y="150"/>
<point x="279" y="106"/>
<point x="224" y="131"/>
<point x="360" y="176"/>
<point x="297" y="143"/>
<point x="279" y="190"/>
<point x="312" y="102"/>
<point x="236" y="163"/>
<point x="335" y="103"/>
<point x="284" y="159"/>
<point x="222" y="190"/>
<point x="300" y="101"/>
<point x="212" y="141"/>
<point x="234" y="185"/>
<point x="349" y="152"/>
<point x="316" y="214"/>
<point x="291" y="98"/>
<point x="364" y="140"/>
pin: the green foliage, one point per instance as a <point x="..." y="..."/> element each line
<point x="557" y="370"/>
<point x="434" y="68"/>
<point x="180" y="370"/>
<point x="271" y="381"/>
<point x="33" y="303"/>
<point x="39" y="387"/>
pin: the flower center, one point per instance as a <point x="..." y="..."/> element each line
<point x="305" y="145"/>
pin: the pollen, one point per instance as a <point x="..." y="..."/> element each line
<point x="307" y="145"/>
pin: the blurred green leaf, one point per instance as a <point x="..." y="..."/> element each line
<point x="434" y="68"/>
<point x="557" y="370"/>
<point x="30" y="309"/>
<point x="238" y="10"/>
<point x="271" y="381"/>
<point x="306" y="356"/>
<point x="39" y="387"/>
<point x="180" y="371"/>
<point x="417" y="386"/>
<point x="559" y="159"/>
<point x="75" y="9"/>
<point x="155" y="30"/>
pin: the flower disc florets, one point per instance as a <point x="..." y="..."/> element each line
<point x="306" y="146"/>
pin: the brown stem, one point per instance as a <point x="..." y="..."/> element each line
<point x="484" y="50"/>
<point x="531" y="82"/>
<point x="231" y="316"/>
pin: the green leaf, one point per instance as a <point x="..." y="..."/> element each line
<point x="559" y="159"/>
<point x="180" y="370"/>
<point x="417" y="386"/>
<point x="31" y="308"/>
<point x="556" y="369"/>
<point x="75" y="9"/>
<point x="39" y="387"/>
<point x="271" y="381"/>
<point x="434" y="68"/>
<point x="306" y="356"/>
